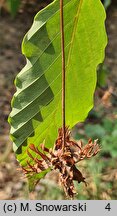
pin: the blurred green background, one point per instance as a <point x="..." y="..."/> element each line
<point x="101" y="172"/>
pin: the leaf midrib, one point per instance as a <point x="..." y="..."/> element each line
<point x="58" y="34"/>
<point x="68" y="60"/>
<point x="72" y="40"/>
<point x="44" y="89"/>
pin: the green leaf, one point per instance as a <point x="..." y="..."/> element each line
<point x="36" y="106"/>
<point x="13" y="6"/>
<point x="33" y="180"/>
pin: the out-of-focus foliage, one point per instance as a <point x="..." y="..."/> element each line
<point x="102" y="74"/>
<point x="107" y="133"/>
<point x="13" y="6"/>
<point x="103" y="180"/>
<point x="107" y="3"/>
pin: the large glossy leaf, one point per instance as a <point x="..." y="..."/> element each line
<point x="36" y="113"/>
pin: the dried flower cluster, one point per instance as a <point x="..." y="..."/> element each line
<point x="63" y="160"/>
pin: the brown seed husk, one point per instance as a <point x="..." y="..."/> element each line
<point x="63" y="160"/>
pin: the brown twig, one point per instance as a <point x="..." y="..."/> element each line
<point x="63" y="70"/>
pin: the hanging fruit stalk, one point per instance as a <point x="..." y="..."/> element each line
<point x="66" y="152"/>
<point x="65" y="162"/>
<point x="63" y="70"/>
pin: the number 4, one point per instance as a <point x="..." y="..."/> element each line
<point x="108" y="207"/>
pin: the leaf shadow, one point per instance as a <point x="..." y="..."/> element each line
<point x="39" y="89"/>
